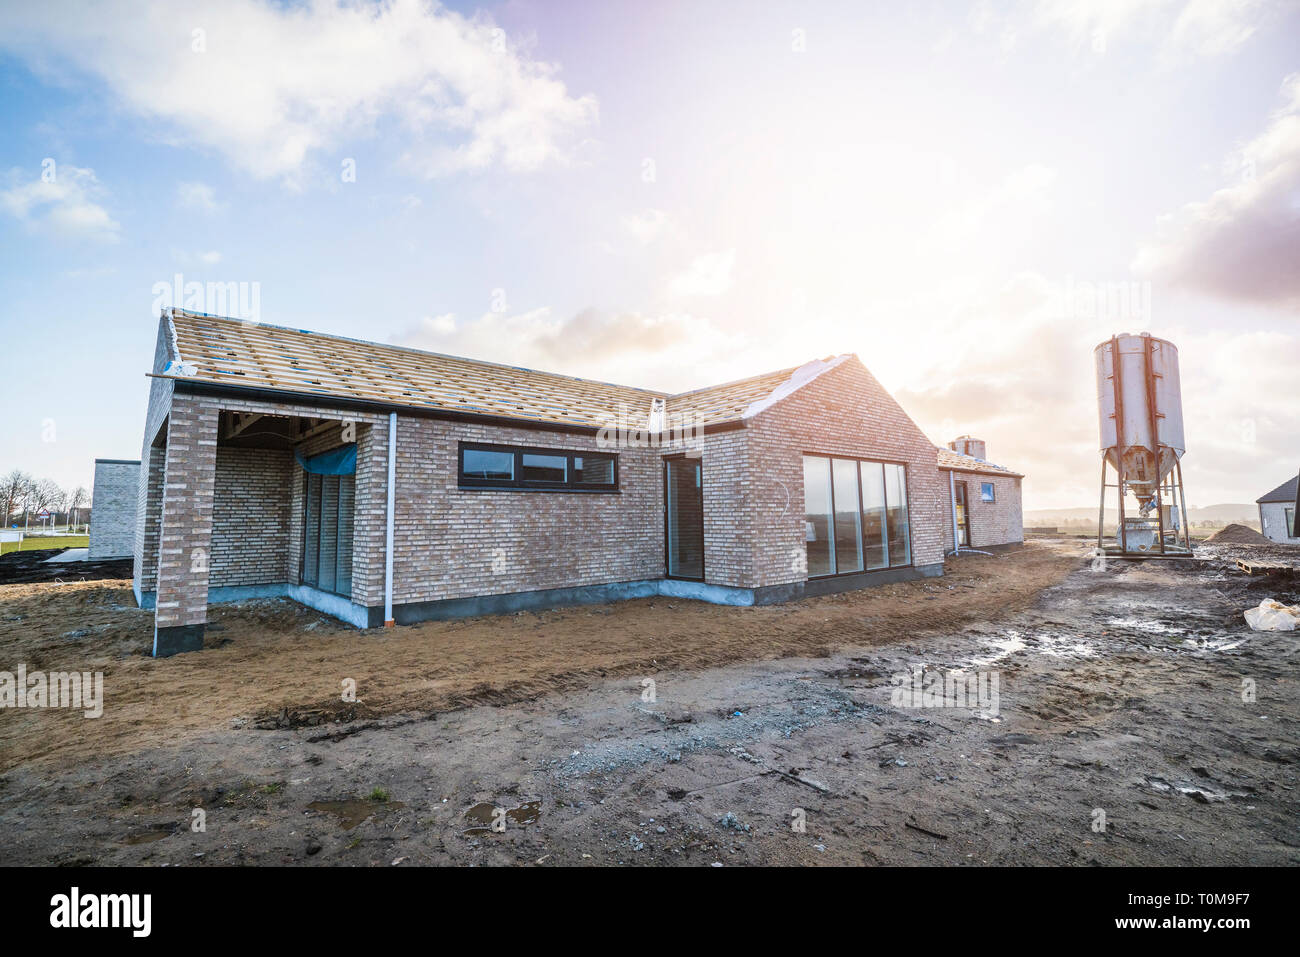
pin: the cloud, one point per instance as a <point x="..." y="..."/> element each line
<point x="1180" y="30"/>
<point x="198" y="196"/>
<point x="62" y="202"/>
<point x="1242" y="242"/>
<point x="270" y="86"/>
<point x="645" y="227"/>
<point x="655" y="351"/>
<point x="707" y="275"/>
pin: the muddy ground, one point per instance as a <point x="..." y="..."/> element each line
<point x="1120" y="693"/>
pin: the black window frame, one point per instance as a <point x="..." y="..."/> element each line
<point x="907" y="487"/>
<point x="518" y="484"/>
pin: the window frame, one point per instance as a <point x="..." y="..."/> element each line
<point x="519" y="484"/>
<point x="993" y="492"/>
<point x="907" y="486"/>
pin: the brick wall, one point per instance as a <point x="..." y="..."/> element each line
<point x="999" y="522"/>
<point x="148" y="508"/>
<point x="844" y="411"/>
<point x="112" y="518"/>
<point x="250" y="517"/>
<point x="184" y="543"/>
<point x="452" y="542"/>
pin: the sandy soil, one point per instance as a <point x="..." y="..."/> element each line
<point x="274" y="662"/>
<point x="1120" y="692"/>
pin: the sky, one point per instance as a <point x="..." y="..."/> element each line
<point x="968" y="195"/>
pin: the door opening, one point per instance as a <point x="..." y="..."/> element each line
<point x="684" y="518"/>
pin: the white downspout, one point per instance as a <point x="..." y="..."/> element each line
<point x="952" y="508"/>
<point x="388" y="530"/>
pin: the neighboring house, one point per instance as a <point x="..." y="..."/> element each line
<point x="387" y="485"/>
<point x="984" y="505"/>
<point x="1277" y="513"/>
<point x="112" y="522"/>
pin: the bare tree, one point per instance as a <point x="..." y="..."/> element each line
<point x="11" y="493"/>
<point x="78" y="500"/>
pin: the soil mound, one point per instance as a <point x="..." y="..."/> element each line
<point x="1238" y="535"/>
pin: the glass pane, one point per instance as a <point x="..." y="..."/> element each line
<point x="310" y="531"/>
<point x="848" y="520"/>
<point x="986" y="491"/>
<point x="593" y="470"/>
<point x="685" y="506"/>
<point x="873" y="514"/>
<point x="484" y="464"/>
<point x="347" y="506"/>
<point x="900" y="552"/>
<point x="544" y="468"/>
<point x="329" y="531"/>
<point x="819" y="534"/>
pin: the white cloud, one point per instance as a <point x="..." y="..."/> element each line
<point x="270" y="86"/>
<point x="666" y="351"/>
<point x="198" y="196"/>
<point x="1241" y="242"/>
<point x="210" y="258"/>
<point x="646" y="226"/>
<point x="1180" y="29"/>
<point x="62" y="203"/>
<point x="707" y="275"/>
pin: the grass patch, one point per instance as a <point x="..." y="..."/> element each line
<point x="378" y="794"/>
<point x="36" y="543"/>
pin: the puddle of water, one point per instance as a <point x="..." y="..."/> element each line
<point x="1065" y="646"/>
<point x="1138" y="624"/>
<point x="1002" y="648"/>
<point x="1214" y="644"/>
<point x="353" y="811"/>
<point x="484" y="813"/>
<point x="147" y="837"/>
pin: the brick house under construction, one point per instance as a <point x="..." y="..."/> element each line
<point x="387" y="485"/>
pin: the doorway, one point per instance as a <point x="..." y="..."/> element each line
<point x="683" y="518"/>
<point x="963" y="513"/>
<point x="327" y="532"/>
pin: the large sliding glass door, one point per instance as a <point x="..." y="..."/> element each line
<point x="684" y="518"/>
<point x="855" y="515"/>
<point x="329" y="501"/>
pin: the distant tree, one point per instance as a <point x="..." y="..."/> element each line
<point x="79" y="499"/>
<point x="12" y="489"/>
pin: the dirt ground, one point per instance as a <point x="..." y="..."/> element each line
<point x="1120" y="701"/>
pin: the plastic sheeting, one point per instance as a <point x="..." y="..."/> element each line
<point x="340" y="461"/>
<point x="1273" y="616"/>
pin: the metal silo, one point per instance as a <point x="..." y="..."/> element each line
<point x="1140" y="407"/>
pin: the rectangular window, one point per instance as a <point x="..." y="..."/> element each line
<point x="900" y="550"/>
<point x="488" y="465"/>
<point x="873" y="513"/>
<point x="848" y="517"/>
<point x="819" y="530"/>
<point x="517" y="467"/>
<point x="855" y="515"/>
<point x="986" y="492"/>
<point x="593" y="469"/>
<point x="543" y="468"/>
<point x="1289" y="515"/>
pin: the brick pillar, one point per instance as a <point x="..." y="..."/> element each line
<point x="185" y="536"/>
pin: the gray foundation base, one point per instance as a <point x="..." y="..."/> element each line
<point x="174" y="639"/>
<point x="480" y="605"/>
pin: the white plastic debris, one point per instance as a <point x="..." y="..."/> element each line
<point x="1273" y="616"/>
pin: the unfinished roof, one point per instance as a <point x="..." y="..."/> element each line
<point x="297" y="361"/>
<point x="252" y="355"/>
<point x="957" y="462"/>
<point x="1283" y="493"/>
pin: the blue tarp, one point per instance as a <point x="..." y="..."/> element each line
<point x="340" y="461"/>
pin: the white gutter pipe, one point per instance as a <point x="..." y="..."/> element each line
<point x="952" y="507"/>
<point x="388" y="530"/>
